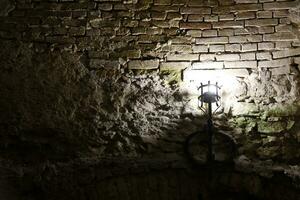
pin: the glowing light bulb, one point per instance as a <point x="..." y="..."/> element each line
<point x="212" y="89"/>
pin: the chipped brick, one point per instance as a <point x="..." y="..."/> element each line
<point x="247" y="56"/>
<point x="216" y="48"/>
<point x="174" y="65"/>
<point x="280" y="5"/>
<point x="228" y="24"/>
<point x="195" y="25"/>
<point x="266" y="46"/>
<point x="207" y="57"/>
<point x="249" y="47"/>
<point x="215" y="40"/>
<point x="261" y="22"/>
<point x="232" y="47"/>
<point x="228" y="57"/>
<point x="207" y="65"/>
<point x="263" y="56"/>
<point x="200" y="48"/>
<point x="241" y="64"/>
<point x="210" y="33"/>
<point x="286" y="53"/>
<point x="195" y="10"/>
<point x="183" y="57"/>
<point x="274" y="63"/>
<point x="280" y="36"/>
<point x="143" y="64"/>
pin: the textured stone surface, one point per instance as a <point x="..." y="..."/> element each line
<point x="6" y="6"/>
<point x="98" y="79"/>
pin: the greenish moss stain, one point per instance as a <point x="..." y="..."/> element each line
<point x="271" y="127"/>
<point x="250" y="126"/>
<point x="244" y="122"/>
<point x="283" y="111"/>
<point x="241" y="122"/>
<point x="290" y="124"/>
<point x="172" y="76"/>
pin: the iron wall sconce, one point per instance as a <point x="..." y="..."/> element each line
<point x="209" y="94"/>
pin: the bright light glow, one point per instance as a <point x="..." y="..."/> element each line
<point x="212" y="89"/>
<point x="225" y="78"/>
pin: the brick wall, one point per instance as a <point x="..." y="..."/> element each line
<point x="254" y="40"/>
<point x="165" y="35"/>
<point x="61" y="97"/>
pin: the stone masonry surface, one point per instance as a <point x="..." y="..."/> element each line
<point x="83" y="79"/>
<point x="254" y="40"/>
<point x="114" y="34"/>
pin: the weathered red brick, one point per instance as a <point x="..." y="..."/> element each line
<point x="261" y="22"/>
<point x="280" y="5"/>
<point x="165" y="8"/>
<point x="195" y="10"/>
<point x="283" y="45"/>
<point x="211" y="18"/>
<point x="200" y="48"/>
<point x="194" y="33"/>
<point x="241" y="64"/>
<point x="266" y="46"/>
<point x="237" y="8"/>
<point x="226" y="32"/>
<point x="217" y="48"/>
<point x="158" y="15"/>
<point x="274" y="63"/>
<point x="280" y="70"/>
<point x="281" y="36"/>
<point x="195" y="25"/>
<point x="183" y="57"/>
<point x="162" y="2"/>
<point x="215" y="40"/>
<point x="228" y="57"/>
<point x="226" y="17"/>
<point x="232" y="47"/>
<point x="266" y="29"/>
<point x="210" y="33"/>
<point x="280" y="13"/>
<point x="195" y="18"/>
<point x="228" y="24"/>
<point x="207" y="57"/>
<point x="286" y="53"/>
<point x="249" y="47"/>
<point x="143" y="64"/>
<point x="207" y="65"/>
<point x="246" y="1"/>
<point x="181" y="48"/>
<point x="100" y="63"/>
<point x="189" y="75"/>
<point x="246" y="31"/>
<point x="264" y="14"/>
<point x="247" y="56"/>
<point x="263" y="56"/>
<point x="297" y="60"/>
<point x="245" y="39"/>
<point x="174" y="65"/>
<point x="284" y="28"/>
<point x="174" y="16"/>
<point x="200" y="3"/>
<point x="245" y="15"/>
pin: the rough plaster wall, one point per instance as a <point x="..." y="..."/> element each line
<point x="106" y="111"/>
<point x="87" y="78"/>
